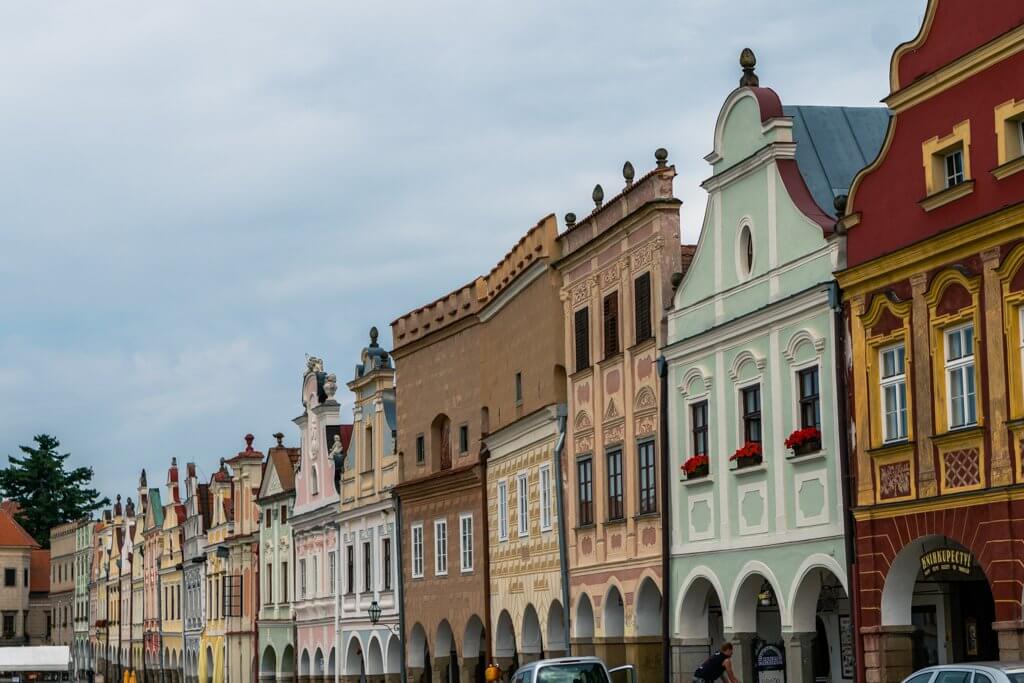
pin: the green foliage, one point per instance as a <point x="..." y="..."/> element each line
<point x="47" y="493"/>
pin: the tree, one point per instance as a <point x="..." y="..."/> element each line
<point x="48" y="494"/>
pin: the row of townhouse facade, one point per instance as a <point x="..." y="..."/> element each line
<point x="802" y="435"/>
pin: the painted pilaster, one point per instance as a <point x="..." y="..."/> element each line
<point x="995" y="342"/>
<point x="865" y="484"/>
<point x="922" y="368"/>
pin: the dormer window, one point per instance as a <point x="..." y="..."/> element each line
<point x="947" y="167"/>
<point x="954" y="163"/>
<point x="1009" y="138"/>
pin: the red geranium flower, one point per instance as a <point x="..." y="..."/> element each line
<point x="802" y="436"/>
<point x="692" y="464"/>
<point x="750" y="449"/>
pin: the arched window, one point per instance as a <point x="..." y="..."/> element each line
<point x="746" y="252"/>
<point x="314" y="481"/>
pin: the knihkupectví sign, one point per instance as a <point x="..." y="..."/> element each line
<point x="947" y="560"/>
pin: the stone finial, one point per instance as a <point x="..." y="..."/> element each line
<point x="174" y="461"/>
<point x="222" y="463"/>
<point x="330" y="386"/>
<point x="280" y="438"/>
<point x="570" y="221"/>
<point x="373" y="335"/>
<point x="661" y="157"/>
<point x="119" y="498"/>
<point x="677" y="279"/>
<point x="840" y="205"/>
<point x="628" y="173"/>
<point x="598" y="196"/>
<point x="748" y="61"/>
<point x="142" y="477"/>
<point x="248" y="442"/>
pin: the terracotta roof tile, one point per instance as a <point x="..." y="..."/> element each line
<point x="12" y="533"/>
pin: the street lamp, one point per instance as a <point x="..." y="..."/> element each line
<point x="374" y="611"/>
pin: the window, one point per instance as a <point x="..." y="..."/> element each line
<point x="367" y="567"/>
<point x="953" y="677"/>
<point x="266" y="518"/>
<point x="746" y="251"/>
<point x="611" y="324"/>
<point x="420" y="450"/>
<point x="302" y="578"/>
<point x="810" y="404"/>
<point x="8" y="626"/>
<point x="519" y="388"/>
<point x="350" y="569"/>
<point x="502" y="510"/>
<point x="24" y="576"/>
<point x="232" y="596"/>
<point x="545" y="498"/>
<point x="440" y="547"/>
<point x="369" y="448"/>
<point x="642" y="307"/>
<point x="466" y="542"/>
<point x="615" y="510"/>
<point x="464" y="439"/>
<point x="284" y="582"/>
<point x="960" y="376"/>
<point x="314" y="481"/>
<point x="284" y="514"/>
<point x="893" y="383"/>
<point x="752" y="414"/>
<point x="581" y="337"/>
<point x="954" y="165"/>
<point x="10" y="577"/>
<point x="316" y="575"/>
<point x="646" y="467"/>
<point x="385" y="566"/>
<point x="585" y="475"/>
<point x="417" y="551"/>
<point x="699" y="427"/>
<point x="332" y="570"/>
<point x="522" y="504"/>
<point x="269" y="596"/>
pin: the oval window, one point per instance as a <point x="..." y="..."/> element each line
<point x="746" y="251"/>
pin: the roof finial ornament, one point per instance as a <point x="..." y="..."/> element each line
<point x="628" y="172"/>
<point x="661" y="157"/>
<point x="570" y="220"/>
<point x="598" y="196"/>
<point x="373" y="335"/>
<point x="248" y="442"/>
<point x="748" y="61"/>
<point x="174" y="461"/>
<point x="280" y="438"/>
<point x="222" y="462"/>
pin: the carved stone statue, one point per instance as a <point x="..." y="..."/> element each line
<point x="314" y="364"/>
<point x="338" y="455"/>
<point x="330" y="385"/>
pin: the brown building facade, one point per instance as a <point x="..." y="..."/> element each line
<point x="462" y="374"/>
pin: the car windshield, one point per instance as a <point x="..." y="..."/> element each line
<point x="1017" y="677"/>
<point x="573" y="672"/>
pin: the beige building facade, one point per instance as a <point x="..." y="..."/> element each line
<point x="62" y="582"/>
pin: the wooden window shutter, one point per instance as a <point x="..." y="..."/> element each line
<point x="642" y="307"/>
<point x="581" y="330"/>
<point x="611" y="324"/>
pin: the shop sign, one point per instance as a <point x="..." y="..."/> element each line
<point x="947" y="560"/>
<point x="770" y="664"/>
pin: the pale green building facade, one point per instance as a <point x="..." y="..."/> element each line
<point x="759" y="548"/>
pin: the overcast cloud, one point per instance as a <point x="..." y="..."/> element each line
<point x="193" y="195"/>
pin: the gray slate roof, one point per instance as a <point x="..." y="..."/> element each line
<point x="833" y="144"/>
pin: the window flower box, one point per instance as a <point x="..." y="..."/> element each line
<point x="804" y="441"/>
<point x="695" y="467"/>
<point x="747" y="455"/>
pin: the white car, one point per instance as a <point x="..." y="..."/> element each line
<point x="573" y="670"/>
<point x="975" y="672"/>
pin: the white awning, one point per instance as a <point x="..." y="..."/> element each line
<point x="39" y="658"/>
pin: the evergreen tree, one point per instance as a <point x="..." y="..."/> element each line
<point x="47" y="493"/>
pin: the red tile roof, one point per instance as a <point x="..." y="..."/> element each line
<point x="39" y="574"/>
<point x="12" y="533"/>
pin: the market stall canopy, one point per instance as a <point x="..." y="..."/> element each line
<point x="41" y="658"/>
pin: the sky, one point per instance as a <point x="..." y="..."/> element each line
<point x="195" y="195"/>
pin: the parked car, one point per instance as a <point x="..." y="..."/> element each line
<point x="573" y="670"/>
<point x="975" y="672"/>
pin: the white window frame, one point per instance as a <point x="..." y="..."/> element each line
<point x="466" y="542"/>
<point x="544" y="477"/>
<point x="503" y="510"/>
<point x="302" y="578"/>
<point x="316" y="575"/>
<point x="960" y="365"/>
<point x="945" y="168"/>
<point x="332" y="570"/>
<point x="523" y="504"/>
<point x="416" y="541"/>
<point x="440" y="547"/>
<point x="902" y="415"/>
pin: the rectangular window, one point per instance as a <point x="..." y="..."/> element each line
<point x="519" y="388"/>
<point x="466" y="542"/>
<point x="954" y="162"/>
<point x="8" y="626"/>
<point x="893" y="385"/>
<point x="332" y="571"/>
<point x="284" y="582"/>
<point x="960" y="380"/>
<point x="464" y="439"/>
<point x="522" y="504"/>
<point x="642" y="307"/>
<point x="503" y="510"/>
<point x="611" y="324"/>
<point x="385" y="566"/>
<point x="440" y="547"/>
<point x="369" y="448"/>
<point x="284" y="514"/>
<point x="269" y="583"/>
<point x="367" y="567"/>
<point x="10" y="577"/>
<point x="420" y="450"/>
<point x="545" y="498"/>
<point x="581" y="337"/>
<point x="350" y="569"/>
<point x="24" y="576"/>
<point x="699" y="427"/>
<point x="615" y="510"/>
<point x="585" y="477"/>
<point x="232" y="596"/>
<point x="315" y="583"/>
<point x="417" y="551"/>
<point x="266" y="518"/>
<point x="647" y="477"/>
<point x="810" y="404"/>
<point x="752" y="414"/>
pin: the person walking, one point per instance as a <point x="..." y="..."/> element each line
<point x="717" y="667"/>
